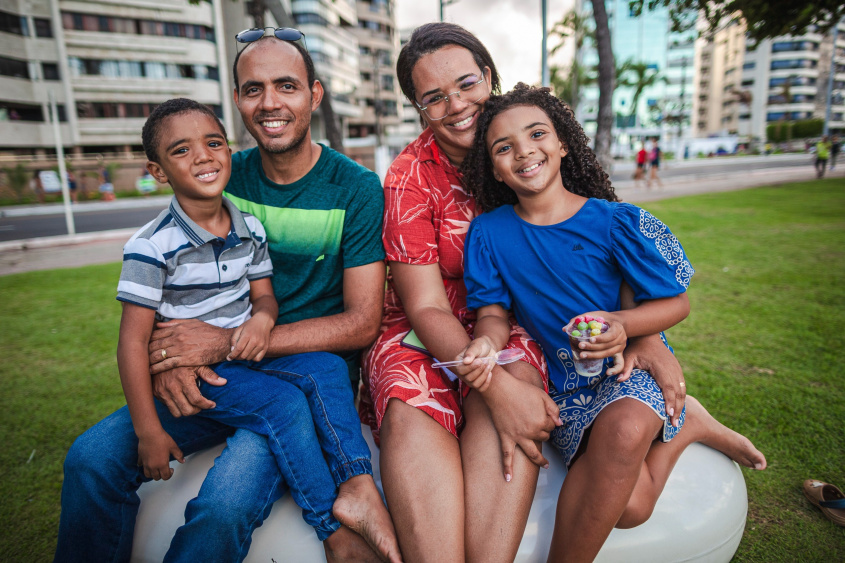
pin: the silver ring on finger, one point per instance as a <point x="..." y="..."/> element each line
<point x="683" y="385"/>
<point x="163" y="354"/>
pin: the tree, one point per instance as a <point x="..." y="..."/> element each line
<point x="639" y="76"/>
<point x="764" y="18"/>
<point x="607" y="66"/>
<point x="567" y="81"/>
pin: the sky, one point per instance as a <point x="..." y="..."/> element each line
<point x="510" y="29"/>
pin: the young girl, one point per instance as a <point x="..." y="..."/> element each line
<point x="554" y="243"/>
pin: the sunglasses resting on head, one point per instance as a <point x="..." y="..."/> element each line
<point x="283" y="33"/>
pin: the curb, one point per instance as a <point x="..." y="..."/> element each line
<point x="66" y="240"/>
<point x="160" y="202"/>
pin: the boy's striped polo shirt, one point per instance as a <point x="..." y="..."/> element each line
<point x="182" y="271"/>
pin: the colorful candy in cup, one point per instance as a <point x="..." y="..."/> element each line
<point x="582" y="329"/>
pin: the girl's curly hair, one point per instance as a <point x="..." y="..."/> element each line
<point x="580" y="170"/>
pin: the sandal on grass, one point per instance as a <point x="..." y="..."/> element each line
<point x="828" y="498"/>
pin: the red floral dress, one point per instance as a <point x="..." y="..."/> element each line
<point x="426" y="216"/>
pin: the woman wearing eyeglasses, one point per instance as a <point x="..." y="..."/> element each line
<point x="459" y="456"/>
<point x="448" y="496"/>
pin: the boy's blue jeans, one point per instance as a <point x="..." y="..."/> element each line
<point x="99" y="494"/>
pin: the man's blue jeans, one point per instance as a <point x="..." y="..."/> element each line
<point x="99" y="494"/>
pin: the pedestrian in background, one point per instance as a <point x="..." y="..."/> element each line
<point x="639" y="173"/>
<point x="654" y="165"/>
<point x="834" y="150"/>
<point x="822" y="154"/>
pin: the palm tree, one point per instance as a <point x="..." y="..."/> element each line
<point x="567" y="82"/>
<point x="639" y="76"/>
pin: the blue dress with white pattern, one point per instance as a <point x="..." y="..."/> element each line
<point x="548" y="274"/>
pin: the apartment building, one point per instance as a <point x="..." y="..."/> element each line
<point x="108" y="63"/>
<point x="719" y="68"/>
<point x="743" y="87"/>
<point x="378" y="47"/>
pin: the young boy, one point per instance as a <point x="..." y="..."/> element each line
<point x="202" y="258"/>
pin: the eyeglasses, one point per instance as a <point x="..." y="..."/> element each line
<point x="435" y="106"/>
<point x="283" y="33"/>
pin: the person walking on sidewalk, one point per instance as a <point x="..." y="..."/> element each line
<point x="654" y="165"/>
<point x="639" y="173"/>
<point x="822" y="154"/>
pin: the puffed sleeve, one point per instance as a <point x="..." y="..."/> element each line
<point x="143" y="274"/>
<point x="409" y="235"/>
<point x="483" y="281"/>
<point x="648" y="254"/>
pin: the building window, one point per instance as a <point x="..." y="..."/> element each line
<point x="109" y="24"/>
<point x="11" y="111"/>
<point x="50" y="71"/>
<point x="137" y="69"/>
<point x="42" y="27"/>
<point x="387" y="82"/>
<point x="793" y="63"/>
<point x="14" y="68"/>
<point x="781" y="46"/>
<point x="749" y="66"/>
<point x="306" y="18"/>
<point x="13" y="23"/>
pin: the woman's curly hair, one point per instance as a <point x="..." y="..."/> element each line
<point x="580" y="170"/>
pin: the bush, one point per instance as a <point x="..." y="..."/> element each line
<point x="18" y="179"/>
<point x="781" y="131"/>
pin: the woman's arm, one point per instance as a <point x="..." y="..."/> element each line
<point x="420" y="287"/>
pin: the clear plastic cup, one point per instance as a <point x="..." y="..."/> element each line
<point x="590" y="367"/>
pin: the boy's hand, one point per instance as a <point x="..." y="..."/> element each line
<point x="154" y="453"/>
<point x="475" y="371"/>
<point x="251" y="340"/>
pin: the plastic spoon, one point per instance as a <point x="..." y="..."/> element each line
<point x="507" y="356"/>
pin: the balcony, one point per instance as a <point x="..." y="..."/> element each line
<point x="20" y="134"/>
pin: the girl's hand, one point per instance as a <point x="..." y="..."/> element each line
<point x="476" y="372"/>
<point x="609" y="343"/>
<point x="251" y="340"/>
<point x="154" y="453"/>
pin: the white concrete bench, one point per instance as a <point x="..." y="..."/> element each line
<point x="700" y="515"/>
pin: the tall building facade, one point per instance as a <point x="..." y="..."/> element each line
<point x="743" y="87"/>
<point x="378" y="45"/>
<point x="664" y="107"/>
<point x="107" y="64"/>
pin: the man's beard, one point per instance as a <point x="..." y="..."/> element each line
<point x="292" y="146"/>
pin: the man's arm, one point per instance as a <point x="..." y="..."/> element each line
<point x="195" y="343"/>
<point x="355" y="328"/>
<point x="191" y="345"/>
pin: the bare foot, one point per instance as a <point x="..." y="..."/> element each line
<point x="713" y="433"/>
<point x="345" y="545"/>
<point x="359" y="506"/>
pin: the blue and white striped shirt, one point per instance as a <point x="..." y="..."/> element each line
<point x="182" y="271"/>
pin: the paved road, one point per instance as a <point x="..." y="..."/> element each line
<point x="125" y="216"/>
<point x="16" y="228"/>
<point x="48" y="220"/>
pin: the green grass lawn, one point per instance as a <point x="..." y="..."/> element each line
<point x="760" y="350"/>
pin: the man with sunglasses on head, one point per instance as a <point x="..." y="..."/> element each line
<point x="322" y="213"/>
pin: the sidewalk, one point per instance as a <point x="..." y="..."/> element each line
<point x="107" y="246"/>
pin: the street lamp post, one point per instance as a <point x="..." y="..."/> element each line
<point x="830" y="80"/>
<point x="443" y="4"/>
<point x="544" y="65"/>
